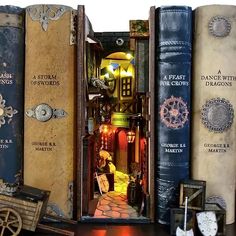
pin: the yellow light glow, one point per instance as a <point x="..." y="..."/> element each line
<point x="130" y="136"/>
<point x="128" y="56"/>
<point x="104" y="129"/>
<point x="125" y="73"/>
<point x="106" y="75"/>
<point x="110" y="68"/>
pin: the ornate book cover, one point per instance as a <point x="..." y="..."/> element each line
<point x="214" y="103"/>
<point x="173" y="80"/>
<point x="50" y="78"/>
<point x="11" y="96"/>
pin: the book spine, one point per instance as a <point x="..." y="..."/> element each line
<point x="214" y="103"/>
<point x="50" y="79"/>
<point x="11" y="96"/>
<point x="173" y="73"/>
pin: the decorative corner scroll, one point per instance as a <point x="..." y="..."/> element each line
<point x="45" y="13"/>
<point x="43" y="112"/>
<point x="5" y="112"/>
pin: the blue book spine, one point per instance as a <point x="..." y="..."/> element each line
<point x="173" y="84"/>
<point x="11" y="96"/>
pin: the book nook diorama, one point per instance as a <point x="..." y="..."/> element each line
<point x="121" y="127"/>
<point x="116" y="167"/>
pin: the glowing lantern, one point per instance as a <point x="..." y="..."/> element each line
<point x="130" y="136"/>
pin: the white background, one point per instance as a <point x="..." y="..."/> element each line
<point x="114" y="15"/>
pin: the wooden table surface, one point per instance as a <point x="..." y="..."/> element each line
<point x="92" y="229"/>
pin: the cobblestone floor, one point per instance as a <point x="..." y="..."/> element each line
<point x="114" y="203"/>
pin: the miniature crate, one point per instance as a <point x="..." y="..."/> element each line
<point x="177" y="219"/>
<point x="195" y="190"/>
<point x="220" y="216"/>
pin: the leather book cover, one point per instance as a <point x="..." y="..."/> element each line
<point x="214" y="104"/>
<point x="173" y="82"/>
<point x="50" y="78"/>
<point x="11" y="96"/>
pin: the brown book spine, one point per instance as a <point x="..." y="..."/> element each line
<point x="50" y="77"/>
